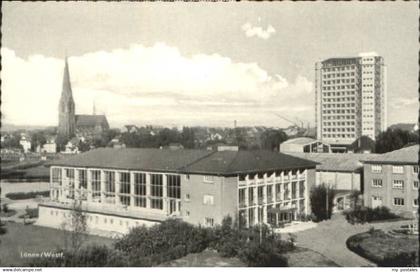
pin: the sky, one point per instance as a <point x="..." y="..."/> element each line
<point x="205" y="63"/>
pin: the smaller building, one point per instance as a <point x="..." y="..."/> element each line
<point x="72" y="146"/>
<point x="304" y="144"/>
<point x="25" y="143"/>
<point x="392" y="180"/>
<point x="363" y="144"/>
<point x="50" y="146"/>
<point x="341" y="171"/>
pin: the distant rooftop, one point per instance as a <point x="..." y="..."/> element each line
<point x="340" y="162"/>
<point x="224" y="163"/>
<point x="300" y="140"/>
<point x="406" y="155"/>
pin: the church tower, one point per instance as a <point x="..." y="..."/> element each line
<point x="66" y="108"/>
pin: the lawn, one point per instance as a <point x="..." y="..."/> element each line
<point x="377" y="245"/>
<point x="303" y="257"/>
<point x="207" y="258"/>
<point x="21" y="239"/>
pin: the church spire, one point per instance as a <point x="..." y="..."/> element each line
<point x="67" y="92"/>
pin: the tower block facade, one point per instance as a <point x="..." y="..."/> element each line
<point x="66" y="109"/>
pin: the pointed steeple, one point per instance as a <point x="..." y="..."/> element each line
<point x="66" y="108"/>
<point x="67" y="92"/>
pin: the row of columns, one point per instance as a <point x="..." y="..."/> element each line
<point x="264" y="206"/>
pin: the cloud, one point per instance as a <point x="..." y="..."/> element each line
<point x="156" y="84"/>
<point x="251" y="31"/>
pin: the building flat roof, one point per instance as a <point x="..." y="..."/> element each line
<point x="406" y="155"/>
<point x="337" y="162"/>
<point x="224" y="163"/>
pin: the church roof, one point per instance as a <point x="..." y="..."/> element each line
<point x="86" y="120"/>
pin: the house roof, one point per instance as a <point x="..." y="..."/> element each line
<point x="406" y="155"/>
<point x="223" y="163"/>
<point x="90" y="120"/>
<point x="300" y="140"/>
<point x="337" y="162"/>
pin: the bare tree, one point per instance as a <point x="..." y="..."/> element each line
<point x="75" y="228"/>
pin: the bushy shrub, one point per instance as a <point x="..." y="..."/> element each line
<point x="399" y="259"/>
<point x="262" y="255"/>
<point x="366" y="214"/>
<point x="28" y="195"/>
<point x="169" y="240"/>
<point x="256" y="246"/>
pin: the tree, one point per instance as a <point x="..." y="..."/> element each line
<point x="272" y="138"/>
<point x="38" y="139"/>
<point x="393" y="139"/>
<point x="322" y="201"/>
<point x="187" y="137"/>
<point x="75" y="228"/>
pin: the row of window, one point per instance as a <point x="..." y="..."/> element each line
<point x="338" y="111"/>
<point x="338" y="75"/>
<point x="342" y="68"/>
<point x="399" y="201"/>
<point x="337" y="81"/>
<point x="278" y="190"/>
<point x="396" y="169"/>
<point x="396" y="184"/>
<point x="340" y="117"/>
<point x="352" y="98"/>
<point x="339" y="135"/>
<point x="341" y="94"/>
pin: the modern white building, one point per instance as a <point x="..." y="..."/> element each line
<point x="122" y="188"/>
<point x="350" y="98"/>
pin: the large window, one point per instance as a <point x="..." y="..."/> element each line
<point x="260" y="194"/>
<point x="96" y="184"/>
<point x="125" y="188"/>
<point x="156" y="186"/>
<point x="83" y="179"/>
<point x="293" y="190"/>
<point x="174" y="186"/>
<point x="278" y="192"/>
<point x="397" y="169"/>
<point x="56" y="175"/>
<point x="251" y="196"/>
<point x="398" y="184"/>
<point x="140" y="190"/>
<point x="398" y="201"/>
<point x="416" y="169"/>
<point x="269" y="193"/>
<point x="242" y="198"/>
<point x="286" y="191"/>
<point x="302" y="188"/>
<point x="376" y="168"/>
<point x="415" y="202"/>
<point x="376" y="182"/>
<point x="415" y="184"/>
<point x="70" y="173"/>
<point x="109" y="186"/>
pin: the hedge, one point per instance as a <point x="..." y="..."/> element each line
<point x="28" y="195"/>
<point x="366" y="214"/>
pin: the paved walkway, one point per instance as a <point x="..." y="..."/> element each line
<point x="329" y="239"/>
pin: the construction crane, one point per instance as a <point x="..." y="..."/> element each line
<point x="284" y="118"/>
